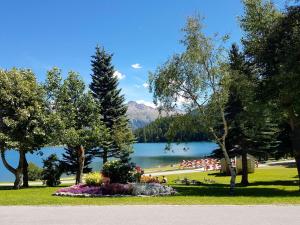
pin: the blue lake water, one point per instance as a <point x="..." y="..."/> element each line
<point x="145" y="155"/>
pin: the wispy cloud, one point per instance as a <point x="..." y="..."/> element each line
<point x="119" y="75"/>
<point x="136" y="66"/>
<point x="145" y="85"/>
<point x="137" y="86"/>
<point x="151" y="104"/>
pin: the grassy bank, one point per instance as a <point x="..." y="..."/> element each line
<point x="270" y="185"/>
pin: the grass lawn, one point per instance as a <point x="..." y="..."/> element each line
<point x="270" y="185"/>
<point x="162" y="169"/>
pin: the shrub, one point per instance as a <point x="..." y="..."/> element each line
<point x="34" y="172"/>
<point x="118" y="171"/>
<point x="148" y="179"/>
<point x="51" y="171"/>
<point x="93" y="179"/>
<point x="81" y="189"/>
<point x="137" y="174"/>
<point x="135" y="189"/>
<point x="117" y="189"/>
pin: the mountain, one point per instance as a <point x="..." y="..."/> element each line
<point x="140" y="115"/>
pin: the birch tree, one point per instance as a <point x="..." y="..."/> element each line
<point x="197" y="80"/>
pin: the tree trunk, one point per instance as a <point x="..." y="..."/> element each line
<point x="25" y="170"/>
<point x="297" y="158"/>
<point x="244" y="181"/>
<point x="295" y="139"/>
<point x="18" y="178"/>
<point x="81" y="158"/>
<point x="231" y="169"/>
<point x="104" y="156"/>
<point x="17" y="172"/>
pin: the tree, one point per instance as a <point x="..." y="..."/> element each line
<point x="176" y="128"/>
<point x="199" y="77"/>
<point x="74" y="109"/>
<point x="51" y="171"/>
<point x="70" y="160"/>
<point x="257" y="20"/>
<point x="34" y="172"/>
<point x="278" y="66"/>
<point x="235" y="107"/>
<point x="22" y="119"/>
<point x="111" y="104"/>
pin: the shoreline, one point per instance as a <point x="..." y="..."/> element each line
<point x="69" y="180"/>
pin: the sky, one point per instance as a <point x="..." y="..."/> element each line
<point x="141" y="34"/>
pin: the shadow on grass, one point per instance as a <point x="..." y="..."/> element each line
<point x="30" y="187"/>
<point x="284" y="164"/>
<point x="217" y="191"/>
<point x="276" y="182"/>
<point x="218" y="174"/>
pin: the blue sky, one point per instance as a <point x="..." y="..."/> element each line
<point x="63" y="33"/>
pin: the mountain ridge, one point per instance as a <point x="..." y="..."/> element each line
<point x="140" y="114"/>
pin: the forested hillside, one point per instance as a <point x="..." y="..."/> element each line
<point x="178" y="128"/>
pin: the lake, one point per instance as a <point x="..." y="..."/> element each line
<point x="145" y="155"/>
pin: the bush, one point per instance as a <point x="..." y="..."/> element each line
<point x="117" y="189"/>
<point x="137" y="174"/>
<point x="51" y="171"/>
<point x="148" y="179"/>
<point x="119" y="171"/>
<point x="34" y="172"/>
<point x="93" y="179"/>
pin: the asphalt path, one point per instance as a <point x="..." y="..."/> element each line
<point x="150" y="215"/>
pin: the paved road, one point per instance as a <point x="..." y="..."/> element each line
<point x="150" y="215"/>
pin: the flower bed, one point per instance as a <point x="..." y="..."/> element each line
<point x="116" y="189"/>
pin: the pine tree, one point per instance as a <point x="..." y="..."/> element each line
<point x="70" y="161"/>
<point x="237" y="139"/>
<point x="111" y="104"/>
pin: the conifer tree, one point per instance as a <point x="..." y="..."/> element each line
<point x="111" y="104"/>
<point x="70" y="159"/>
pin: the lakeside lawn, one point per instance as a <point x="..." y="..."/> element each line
<point x="269" y="185"/>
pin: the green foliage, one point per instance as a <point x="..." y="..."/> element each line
<point x="111" y="105"/>
<point x="22" y="118"/>
<point x="181" y="128"/>
<point x="93" y="179"/>
<point x="271" y="48"/>
<point x="198" y="77"/>
<point x="23" y="121"/>
<point x="119" y="171"/>
<point x="257" y="21"/>
<point x="70" y="160"/>
<point x="34" y="172"/>
<point x="51" y="171"/>
<point x="78" y="119"/>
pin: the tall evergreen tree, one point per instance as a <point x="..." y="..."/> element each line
<point x="235" y="112"/>
<point x="111" y="104"/>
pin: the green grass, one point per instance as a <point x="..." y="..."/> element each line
<point x="162" y="169"/>
<point x="271" y="185"/>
